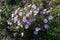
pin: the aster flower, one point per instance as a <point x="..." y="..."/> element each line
<point x="24" y="19"/>
<point x="12" y="15"/>
<point x="26" y="26"/>
<point x="50" y="17"/>
<point x="42" y="12"/>
<point x="36" y="11"/>
<point x="29" y="13"/>
<point x="45" y="21"/>
<point x="15" y="19"/>
<point x="34" y="6"/>
<point x="35" y="32"/>
<point x="46" y="26"/>
<point x="9" y="23"/>
<point x="31" y="20"/>
<point x="41" y="16"/>
<point x="48" y="11"/>
<point x="37" y="29"/>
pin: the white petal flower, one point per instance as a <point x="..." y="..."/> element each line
<point x="0" y="10"/>
<point x="21" y="25"/>
<point x="34" y="6"/>
<point x="12" y="15"/>
<point x="35" y="32"/>
<point x="15" y="19"/>
<point x="9" y="23"/>
<point x="30" y="11"/>
<point x="26" y="26"/>
<point x="45" y="10"/>
<point x="16" y="10"/>
<point x="46" y="26"/>
<point x="48" y="11"/>
<point x="25" y="8"/>
<point x="20" y="13"/>
<point x="50" y="17"/>
<point x="36" y="11"/>
<point x="17" y="27"/>
<point x="22" y="34"/>
<point x="37" y="29"/>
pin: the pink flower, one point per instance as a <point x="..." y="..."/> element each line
<point x="45" y="10"/>
<point x="22" y="34"/>
<point x="42" y="12"/>
<point x="9" y="23"/>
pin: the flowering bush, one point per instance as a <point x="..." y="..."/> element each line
<point x="29" y="20"/>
